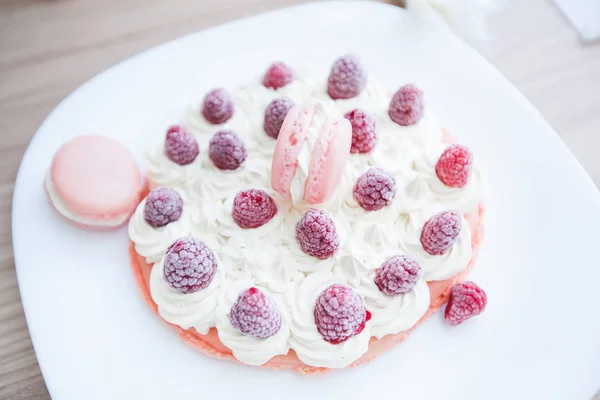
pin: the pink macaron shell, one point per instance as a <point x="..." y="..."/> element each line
<point x="328" y="161"/>
<point x="96" y="178"/>
<point x="289" y="143"/>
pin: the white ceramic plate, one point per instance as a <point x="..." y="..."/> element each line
<point x="539" y="338"/>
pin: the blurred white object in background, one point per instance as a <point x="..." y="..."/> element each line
<point x="467" y="18"/>
<point x="584" y="15"/>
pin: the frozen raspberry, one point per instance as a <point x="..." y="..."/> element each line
<point x="189" y="265"/>
<point x="374" y="189"/>
<point x="275" y="114"/>
<point x="278" y="75"/>
<point x="163" y="205"/>
<point x="406" y="107"/>
<point x="346" y="79"/>
<point x="217" y="107"/>
<point x="253" y="208"/>
<point x="454" y="166"/>
<point x="317" y="235"/>
<point x="440" y="232"/>
<point x="256" y="314"/>
<point x="397" y="275"/>
<point x="340" y="313"/>
<point x="227" y="150"/>
<point x="180" y="146"/>
<point x="364" y="131"/>
<point x="466" y="300"/>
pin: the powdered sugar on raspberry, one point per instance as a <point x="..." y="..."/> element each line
<point x="180" y="146"/>
<point x="317" y="235"/>
<point x="275" y="114"/>
<point x="253" y="208"/>
<point x="163" y="205"/>
<point x="227" y="150"/>
<point x="454" y="166"/>
<point x="340" y="313"/>
<point x="189" y="265"/>
<point x="346" y="79"/>
<point x="364" y="131"/>
<point x="218" y="106"/>
<point x="278" y="75"/>
<point x="398" y="275"/>
<point x="466" y="300"/>
<point x="441" y="231"/>
<point x="256" y="314"/>
<point x="374" y="189"/>
<point x="406" y="107"/>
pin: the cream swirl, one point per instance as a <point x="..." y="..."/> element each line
<point x="164" y="172"/>
<point x="354" y="212"/>
<point x="366" y="250"/>
<point x="251" y="252"/>
<point x="214" y="183"/>
<point x="425" y="133"/>
<point x="374" y="99"/>
<point x="340" y="195"/>
<point x="204" y="220"/>
<point x="373" y="232"/>
<point x="248" y="349"/>
<point x="151" y="242"/>
<point x="464" y="199"/>
<point x="195" y="122"/>
<point x="393" y="314"/>
<point x="303" y="262"/>
<point x="415" y="193"/>
<point x="266" y="266"/>
<point x="435" y="267"/>
<point x="269" y="234"/>
<point x="257" y="96"/>
<point x="306" y="340"/>
<point x="250" y="103"/>
<point x="187" y="310"/>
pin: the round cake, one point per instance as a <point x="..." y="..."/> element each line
<point x="305" y="222"/>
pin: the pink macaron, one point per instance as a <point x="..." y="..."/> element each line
<point x="324" y="155"/>
<point x="94" y="181"/>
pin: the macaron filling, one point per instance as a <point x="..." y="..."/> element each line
<point x="108" y="221"/>
<point x="325" y="111"/>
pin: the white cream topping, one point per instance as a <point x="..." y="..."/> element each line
<point x="306" y="340"/>
<point x="164" y="172"/>
<point x="250" y="102"/>
<point x="64" y="210"/>
<point x="188" y="310"/>
<point x="248" y="349"/>
<point x="425" y="133"/>
<point x="435" y="267"/>
<point x="374" y="99"/>
<point x="393" y="314"/>
<point x="390" y="314"/>
<point x="426" y="185"/>
<point x="213" y="183"/>
<point x="270" y="256"/>
<point x="151" y="242"/>
<point x="269" y="234"/>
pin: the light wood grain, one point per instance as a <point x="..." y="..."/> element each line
<point x="48" y="48"/>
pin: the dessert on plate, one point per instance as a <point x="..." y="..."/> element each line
<point x="308" y="223"/>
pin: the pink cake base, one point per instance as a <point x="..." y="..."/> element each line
<point x="212" y="346"/>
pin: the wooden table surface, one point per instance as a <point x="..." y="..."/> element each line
<point x="50" y="47"/>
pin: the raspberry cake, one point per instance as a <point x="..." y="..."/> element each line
<point x="308" y="223"/>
